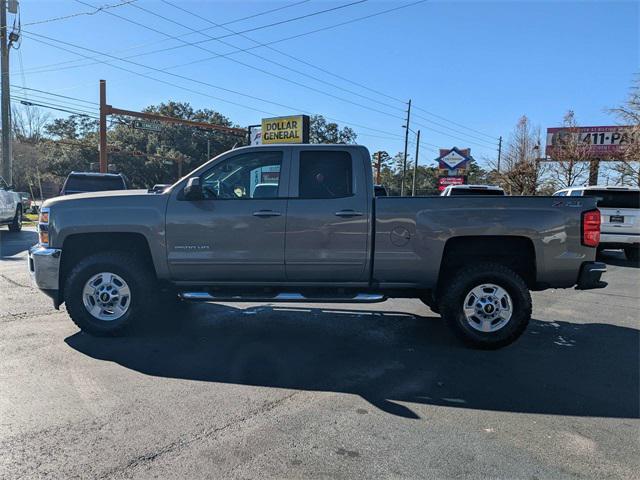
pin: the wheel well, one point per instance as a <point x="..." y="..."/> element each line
<point x="514" y="252"/>
<point x="78" y="246"/>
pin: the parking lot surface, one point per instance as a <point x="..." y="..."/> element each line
<point x="320" y="391"/>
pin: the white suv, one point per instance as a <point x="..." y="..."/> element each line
<point x="620" y="212"/>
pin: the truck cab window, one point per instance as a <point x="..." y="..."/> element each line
<point x="325" y="174"/>
<point x="245" y="176"/>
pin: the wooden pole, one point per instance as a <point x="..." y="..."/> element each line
<point x="103" y="126"/>
<point x="415" y="166"/>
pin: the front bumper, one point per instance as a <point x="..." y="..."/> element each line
<point x="44" y="268"/>
<point x="589" y="277"/>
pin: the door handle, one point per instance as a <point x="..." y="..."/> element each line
<point x="266" y="213"/>
<point x="348" y="213"/>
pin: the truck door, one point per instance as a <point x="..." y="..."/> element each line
<point x="236" y="233"/>
<point x="328" y="216"/>
<point x="5" y="202"/>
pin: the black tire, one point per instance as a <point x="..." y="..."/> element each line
<point x="632" y="254"/>
<point x="16" y="225"/>
<point x="137" y="275"/>
<point x="468" y="278"/>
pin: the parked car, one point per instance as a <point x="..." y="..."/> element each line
<point x="10" y="207"/>
<point x="25" y="199"/>
<point x="620" y="213"/>
<point x="457" y="190"/>
<point x="322" y="236"/>
<point x="82" y="182"/>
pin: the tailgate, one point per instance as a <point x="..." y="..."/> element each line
<point x="620" y="220"/>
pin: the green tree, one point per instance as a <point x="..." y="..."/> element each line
<point x="321" y="131"/>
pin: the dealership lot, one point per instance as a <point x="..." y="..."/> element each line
<point x="322" y="390"/>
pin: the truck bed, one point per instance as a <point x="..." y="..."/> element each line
<point x="411" y="234"/>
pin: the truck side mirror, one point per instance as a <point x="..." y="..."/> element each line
<point x="193" y="190"/>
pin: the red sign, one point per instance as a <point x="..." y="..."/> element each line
<point x="601" y="142"/>
<point x="443" y="182"/>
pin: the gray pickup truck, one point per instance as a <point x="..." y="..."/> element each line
<point x="301" y="223"/>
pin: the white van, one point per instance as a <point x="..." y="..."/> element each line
<point x="620" y="216"/>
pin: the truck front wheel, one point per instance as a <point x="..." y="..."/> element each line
<point x="487" y="305"/>
<point x="106" y="292"/>
<point x="16" y="225"/>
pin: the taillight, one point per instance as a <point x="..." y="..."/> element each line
<point x="591" y="228"/>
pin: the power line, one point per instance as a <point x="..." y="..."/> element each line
<point x="56" y="95"/>
<point x="262" y="13"/>
<point x="187" y="89"/>
<point x="294" y="70"/>
<point x="455" y="123"/>
<point x="39" y="97"/>
<point x="328" y="27"/>
<point x="322" y="70"/>
<point x="29" y="103"/>
<point x="80" y="14"/>
<point x="260" y="44"/>
<point x="267" y="72"/>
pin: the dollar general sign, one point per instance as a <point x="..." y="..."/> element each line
<point x="293" y="129"/>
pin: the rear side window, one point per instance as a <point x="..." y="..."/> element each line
<point x="325" y="174"/>
<point x="576" y="193"/>
<point x="86" y="183"/>
<point x="615" y="198"/>
<point x="560" y="194"/>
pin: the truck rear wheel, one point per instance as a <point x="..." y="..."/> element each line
<point x="106" y="292"/>
<point x="487" y="305"/>
<point x="16" y="225"/>
<point x="632" y="253"/>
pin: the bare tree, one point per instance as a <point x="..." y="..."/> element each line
<point x="628" y="168"/>
<point x="29" y="124"/>
<point x="571" y="156"/>
<point x="521" y="173"/>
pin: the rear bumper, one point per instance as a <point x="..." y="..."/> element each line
<point x="589" y="277"/>
<point x="44" y="268"/>
<point x="619" y="239"/>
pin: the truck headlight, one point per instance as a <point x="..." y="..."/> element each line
<point x="43" y="227"/>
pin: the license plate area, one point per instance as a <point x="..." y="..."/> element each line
<point x="616" y="219"/>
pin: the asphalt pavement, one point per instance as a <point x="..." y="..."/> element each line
<point x="320" y="391"/>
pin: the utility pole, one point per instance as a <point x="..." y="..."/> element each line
<point x="499" y="152"/>
<point x="6" y="171"/>
<point x="378" y="157"/>
<point x="594" y="167"/>
<point x="406" y="142"/>
<point x="415" y="165"/>
<point x="103" y="126"/>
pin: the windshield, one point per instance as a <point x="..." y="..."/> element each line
<point x="85" y="183"/>
<point x="615" y="198"/>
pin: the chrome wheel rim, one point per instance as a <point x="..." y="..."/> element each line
<point x="488" y="308"/>
<point x="106" y="296"/>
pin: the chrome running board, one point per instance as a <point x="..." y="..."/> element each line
<point x="281" y="297"/>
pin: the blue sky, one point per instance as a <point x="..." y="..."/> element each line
<point x="479" y="64"/>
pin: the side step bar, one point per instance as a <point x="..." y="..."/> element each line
<point x="282" y="297"/>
